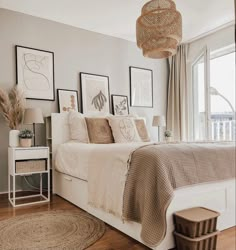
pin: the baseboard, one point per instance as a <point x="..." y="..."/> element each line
<point x="17" y="191"/>
<point x="6" y="192"/>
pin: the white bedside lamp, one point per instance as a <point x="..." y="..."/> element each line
<point x="159" y="121"/>
<point x="33" y="116"/>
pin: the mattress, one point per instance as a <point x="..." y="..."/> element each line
<point x="73" y="158"/>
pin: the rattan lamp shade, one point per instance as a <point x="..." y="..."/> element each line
<point x="159" y="29"/>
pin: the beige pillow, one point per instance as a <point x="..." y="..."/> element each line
<point x="78" y="127"/>
<point x="124" y="129"/>
<point x="142" y="129"/>
<point x="99" y="130"/>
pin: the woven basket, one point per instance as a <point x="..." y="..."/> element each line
<point x="30" y="166"/>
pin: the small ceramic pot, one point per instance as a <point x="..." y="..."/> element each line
<point x="26" y="143"/>
<point x="168" y="139"/>
<point x="14" y="138"/>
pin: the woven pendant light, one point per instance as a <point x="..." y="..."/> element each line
<point x="159" y="29"/>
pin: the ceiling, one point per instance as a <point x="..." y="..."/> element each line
<point x="118" y="17"/>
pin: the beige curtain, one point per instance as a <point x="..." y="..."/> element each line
<point x="177" y="95"/>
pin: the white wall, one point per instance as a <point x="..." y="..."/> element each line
<point x="75" y="51"/>
<point x="214" y="41"/>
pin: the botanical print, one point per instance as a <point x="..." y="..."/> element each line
<point x="99" y="101"/>
<point x="67" y="100"/>
<point x="35" y="73"/>
<point x="95" y="94"/>
<point x="127" y="129"/>
<point x="141" y="87"/>
<point x="120" y="105"/>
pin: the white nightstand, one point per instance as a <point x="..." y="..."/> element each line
<point x="25" y="162"/>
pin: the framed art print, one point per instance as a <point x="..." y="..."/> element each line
<point x="95" y="94"/>
<point x="35" y="73"/>
<point x="67" y="100"/>
<point x="141" y="87"/>
<point x="120" y="105"/>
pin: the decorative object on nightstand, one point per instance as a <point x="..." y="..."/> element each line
<point x="24" y="162"/>
<point x="159" y="121"/>
<point x="33" y="116"/>
<point x="168" y="135"/>
<point x="26" y="136"/>
<point x="12" y="109"/>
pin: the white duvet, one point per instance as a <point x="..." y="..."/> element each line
<point x="104" y="166"/>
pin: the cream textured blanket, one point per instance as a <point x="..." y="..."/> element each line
<point x="107" y="171"/>
<point x="156" y="170"/>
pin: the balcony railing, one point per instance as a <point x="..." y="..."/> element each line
<point x="223" y="130"/>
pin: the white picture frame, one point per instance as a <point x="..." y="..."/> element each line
<point x="35" y="73"/>
<point x="95" y="96"/>
<point x="141" y="87"/>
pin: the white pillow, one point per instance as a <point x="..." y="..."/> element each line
<point x="78" y="127"/>
<point x="124" y="129"/>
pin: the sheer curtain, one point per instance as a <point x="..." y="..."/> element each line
<point x="177" y="101"/>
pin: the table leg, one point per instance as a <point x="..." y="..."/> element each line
<point x="14" y="190"/>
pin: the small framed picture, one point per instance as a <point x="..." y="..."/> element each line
<point x="67" y="100"/>
<point x="35" y="73"/>
<point x="120" y="104"/>
<point x="141" y="87"/>
<point x="95" y="94"/>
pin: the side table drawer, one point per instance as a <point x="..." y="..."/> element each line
<point x="31" y="166"/>
<point x="31" y="154"/>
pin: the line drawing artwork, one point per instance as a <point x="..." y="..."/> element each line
<point x="127" y="129"/>
<point x="99" y="101"/>
<point x="36" y="72"/>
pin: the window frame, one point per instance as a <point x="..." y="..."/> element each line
<point x="206" y="52"/>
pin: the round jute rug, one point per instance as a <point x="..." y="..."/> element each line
<point x="54" y="230"/>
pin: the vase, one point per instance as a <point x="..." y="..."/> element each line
<point x="14" y="138"/>
<point x="168" y="139"/>
<point x="25" y="143"/>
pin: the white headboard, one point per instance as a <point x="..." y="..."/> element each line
<point x="60" y="130"/>
<point x="60" y="134"/>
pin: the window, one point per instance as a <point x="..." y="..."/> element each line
<point x="214" y="95"/>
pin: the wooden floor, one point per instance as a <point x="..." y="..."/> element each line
<point x="112" y="239"/>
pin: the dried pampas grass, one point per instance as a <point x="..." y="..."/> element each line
<point x="12" y="107"/>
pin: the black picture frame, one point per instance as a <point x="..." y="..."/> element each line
<point x="113" y="101"/>
<point x="83" y="88"/>
<point x="145" y="93"/>
<point x="48" y="78"/>
<point x="59" y="101"/>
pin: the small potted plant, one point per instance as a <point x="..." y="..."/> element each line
<point x="26" y="136"/>
<point x="168" y="135"/>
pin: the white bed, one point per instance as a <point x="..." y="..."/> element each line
<point x="71" y="183"/>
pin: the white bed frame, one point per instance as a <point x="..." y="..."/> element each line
<point x="218" y="196"/>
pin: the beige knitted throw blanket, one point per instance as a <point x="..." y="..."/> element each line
<point x="155" y="171"/>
